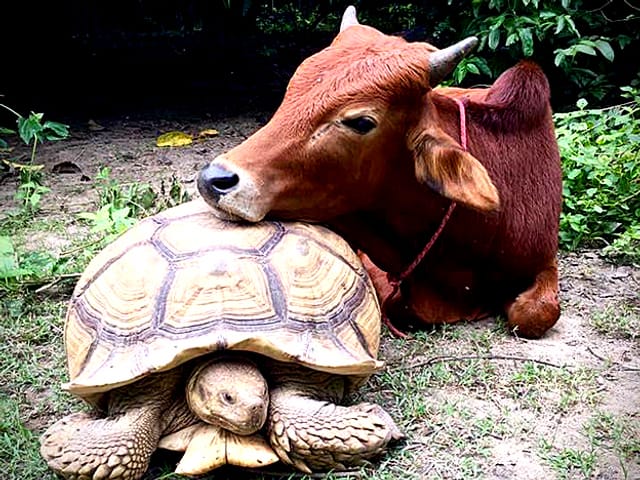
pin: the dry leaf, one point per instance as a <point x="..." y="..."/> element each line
<point x="209" y="132"/>
<point x="94" y="126"/>
<point x="174" y="139"/>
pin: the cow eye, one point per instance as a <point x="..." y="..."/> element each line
<point x="360" y="125"/>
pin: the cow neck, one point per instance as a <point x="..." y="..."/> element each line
<point x="396" y="281"/>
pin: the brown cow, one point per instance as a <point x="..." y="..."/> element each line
<point x="363" y="143"/>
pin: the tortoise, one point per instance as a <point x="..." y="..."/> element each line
<point x="235" y="342"/>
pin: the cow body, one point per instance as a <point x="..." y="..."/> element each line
<point x="362" y="143"/>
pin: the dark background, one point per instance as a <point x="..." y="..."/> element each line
<point x="103" y="58"/>
<point x="95" y="58"/>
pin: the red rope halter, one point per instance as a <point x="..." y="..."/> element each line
<point x="396" y="281"/>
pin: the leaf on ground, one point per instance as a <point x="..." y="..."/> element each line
<point x="22" y="166"/>
<point x="174" y="139"/>
<point x="209" y="132"/>
<point x="94" y="126"/>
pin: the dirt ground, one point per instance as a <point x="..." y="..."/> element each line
<point x="594" y="295"/>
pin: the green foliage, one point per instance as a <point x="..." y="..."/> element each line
<point x="30" y="190"/>
<point x="568" y="462"/>
<point x="18" y="268"/>
<point x="5" y="131"/>
<point x="517" y="29"/>
<point x="294" y="18"/>
<point x="600" y="151"/>
<point x="121" y="205"/>
<point x="474" y="65"/>
<point x="33" y="130"/>
<point x="110" y="220"/>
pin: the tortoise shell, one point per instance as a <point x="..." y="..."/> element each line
<point x="184" y="283"/>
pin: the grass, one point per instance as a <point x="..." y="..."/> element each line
<point x="620" y="321"/>
<point x="568" y="462"/>
<point x="31" y="366"/>
<point x="619" y="434"/>
<point x="19" y="446"/>
<point x="602" y="434"/>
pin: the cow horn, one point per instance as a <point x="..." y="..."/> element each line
<point x="348" y="18"/>
<point x="442" y="62"/>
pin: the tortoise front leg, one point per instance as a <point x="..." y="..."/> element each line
<point x="314" y="435"/>
<point x="86" y="446"/>
<point x="82" y="446"/>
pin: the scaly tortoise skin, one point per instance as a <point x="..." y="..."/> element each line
<point x="193" y="333"/>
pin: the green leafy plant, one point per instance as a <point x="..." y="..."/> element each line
<point x="474" y="65"/>
<point x="139" y="198"/>
<point x="30" y="190"/>
<point x="578" y="41"/>
<point x="18" y="268"/>
<point x="600" y="151"/>
<point x="121" y="205"/>
<point x="33" y="130"/>
<point x="109" y="220"/>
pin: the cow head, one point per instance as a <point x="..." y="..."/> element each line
<point x="354" y="115"/>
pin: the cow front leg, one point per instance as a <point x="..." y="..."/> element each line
<point x="424" y="302"/>
<point x="420" y="303"/>
<point x="537" y="309"/>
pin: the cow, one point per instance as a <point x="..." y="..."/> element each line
<point x="366" y="143"/>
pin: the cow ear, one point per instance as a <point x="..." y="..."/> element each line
<point x="444" y="166"/>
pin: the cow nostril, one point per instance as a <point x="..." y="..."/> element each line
<point x="216" y="180"/>
<point x="226" y="182"/>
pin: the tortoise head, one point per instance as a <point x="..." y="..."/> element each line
<point x="229" y="392"/>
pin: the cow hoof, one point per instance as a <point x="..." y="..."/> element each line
<point x="531" y="317"/>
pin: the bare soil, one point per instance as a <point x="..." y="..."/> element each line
<point x="591" y="289"/>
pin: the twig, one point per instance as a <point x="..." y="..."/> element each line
<point x="599" y="357"/>
<point x="461" y="358"/>
<point x="67" y="253"/>
<point x="631" y="6"/>
<point x="600" y="7"/>
<point x="55" y="281"/>
<point x="609" y="361"/>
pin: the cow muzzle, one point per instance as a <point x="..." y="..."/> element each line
<point x="232" y="195"/>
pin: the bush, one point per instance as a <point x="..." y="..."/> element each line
<point x="600" y="151"/>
